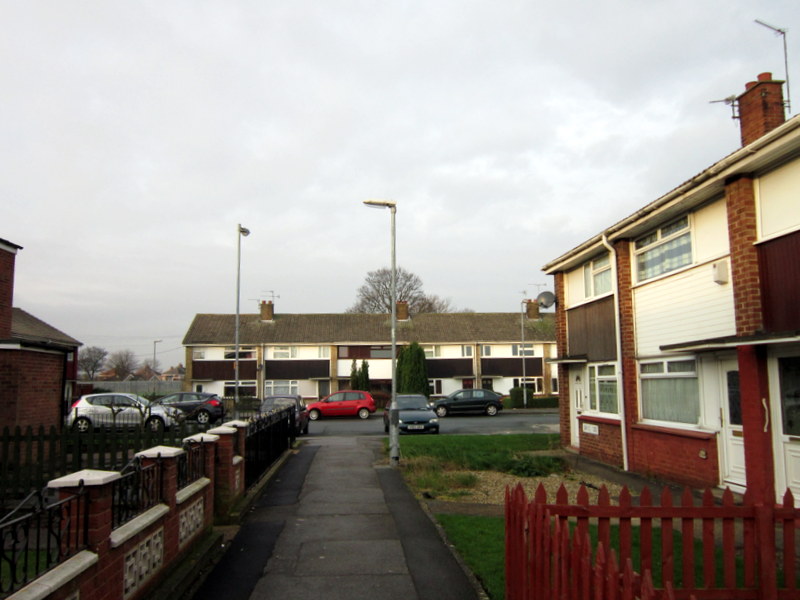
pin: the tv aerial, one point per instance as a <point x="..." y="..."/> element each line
<point x="782" y="32"/>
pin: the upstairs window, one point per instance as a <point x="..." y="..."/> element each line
<point x="198" y="355"/>
<point x="522" y="350"/>
<point x="244" y="352"/>
<point x="284" y="352"/>
<point x="432" y="351"/>
<point x="486" y="350"/>
<point x="664" y="250"/>
<point x="597" y="277"/>
<point x="466" y="350"/>
<point x="324" y="352"/>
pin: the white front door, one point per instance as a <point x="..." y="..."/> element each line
<point x="787" y="425"/>
<point x="577" y="387"/>
<point x="733" y="469"/>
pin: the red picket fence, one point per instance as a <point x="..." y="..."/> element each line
<point x="711" y="551"/>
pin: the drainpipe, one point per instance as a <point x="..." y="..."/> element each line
<point x="618" y="340"/>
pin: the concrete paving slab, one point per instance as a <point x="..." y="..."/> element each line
<point x="362" y="587"/>
<point x="338" y="527"/>
<point x="371" y="557"/>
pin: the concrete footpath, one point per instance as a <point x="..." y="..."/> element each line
<point x="332" y="524"/>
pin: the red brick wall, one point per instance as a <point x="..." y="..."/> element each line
<point x="32" y="386"/>
<point x="760" y="108"/>
<point x="606" y="445"/>
<point x="675" y="455"/>
<point x="7" y="260"/>
<point x="562" y="350"/>
<point x="745" y="278"/>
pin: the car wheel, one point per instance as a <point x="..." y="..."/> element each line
<point x="363" y="413"/>
<point x="491" y="410"/>
<point x="203" y="417"/>
<point x="441" y="411"/>
<point x="82" y="425"/>
<point x="155" y="424"/>
<point x="314" y="415"/>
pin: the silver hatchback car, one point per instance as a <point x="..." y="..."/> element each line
<point x="119" y="411"/>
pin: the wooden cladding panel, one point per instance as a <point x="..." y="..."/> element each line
<point x="590" y="330"/>
<point x="511" y="367"/>
<point x="296" y="369"/>
<point x="222" y="370"/>
<point x="780" y="277"/>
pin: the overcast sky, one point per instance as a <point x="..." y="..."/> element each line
<point x="137" y="134"/>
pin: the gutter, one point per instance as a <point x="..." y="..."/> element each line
<point x="618" y="342"/>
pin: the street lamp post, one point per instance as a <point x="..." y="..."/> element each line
<point x="522" y="352"/>
<point x="240" y="231"/>
<point x="394" y="413"/>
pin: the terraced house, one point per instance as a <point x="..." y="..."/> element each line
<point x="312" y="354"/>
<point x="678" y="328"/>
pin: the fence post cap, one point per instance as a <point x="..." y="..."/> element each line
<point x="86" y="477"/>
<point x="201" y="438"/>
<point x="162" y="451"/>
<point x="222" y="429"/>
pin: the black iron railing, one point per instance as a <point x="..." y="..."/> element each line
<point x="191" y="464"/>
<point x="268" y="436"/>
<point x="39" y="536"/>
<point x="139" y="488"/>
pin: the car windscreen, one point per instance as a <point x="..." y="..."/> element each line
<point x="275" y="403"/>
<point x="414" y="403"/>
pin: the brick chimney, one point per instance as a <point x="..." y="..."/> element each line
<point x="267" y="311"/>
<point x="532" y="309"/>
<point x="8" y="256"/>
<point x="402" y="310"/>
<point x="761" y="108"/>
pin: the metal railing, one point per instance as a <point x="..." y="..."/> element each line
<point x="41" y="537"/>
<point x="139" y="488"/>
<point x="191" y="464"/>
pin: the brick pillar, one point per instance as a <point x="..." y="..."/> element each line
<point x="7" y="260"/>
<point x="561" y="351"/>
<point x="630" y="385"/>
<point x="98" y="486"/>
<point x="745" y="274"/>
<point x="229" y="469"/>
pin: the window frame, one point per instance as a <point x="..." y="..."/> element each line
<point x="657" y="239"/>
<point x="667" y="373"/>
<point x="432" y="351"/>
<point x="527" y="348"/>
<point x="466" y="350"/>
<point x="293" y="385"/>
<point x="594" y="380"/>
<point x="592" y="271"/>
<point x="289" y="351"/>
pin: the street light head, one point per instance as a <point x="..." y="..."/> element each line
<point x="244" y="231"/>
<point x="381" y="203"/>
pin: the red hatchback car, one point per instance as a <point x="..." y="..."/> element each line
<point x="347" y="403"/>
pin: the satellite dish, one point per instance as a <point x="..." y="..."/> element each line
<point x="546" y="299"/>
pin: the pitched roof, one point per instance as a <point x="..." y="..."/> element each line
<point x="27" y="328"/>
<point x="348" y="328"/>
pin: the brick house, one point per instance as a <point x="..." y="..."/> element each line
<point x="38" y="363"/>
<point x="312" y="354"/>
<point x="678" y="328"/>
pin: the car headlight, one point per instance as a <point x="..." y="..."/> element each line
<point x="434" y="420"/>
<point x="399" y="421"/>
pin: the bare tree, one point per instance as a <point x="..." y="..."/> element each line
<point x="123" y="362"/>
<point x="91" y="360"/>
<point x="375" y="294"/>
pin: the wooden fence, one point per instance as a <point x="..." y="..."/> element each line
<point x="643" y="550"/>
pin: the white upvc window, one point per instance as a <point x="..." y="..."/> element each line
<point x="597" y="277"/>
<point x="522" y="350"/>
<point x="276" y="387"/>
<point x="324" y="352"/>
<point x="284" y="352"/>
<point x="603" y="389"/>
<point x="466" y="350"/>
<point x="244" y="352"/>
<point x="198" y="354"/>
<point x="486" y="350"/>
<point x="663" y="250"/>
<point x="432" y="351"/>
<point x="670" y="390"/>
